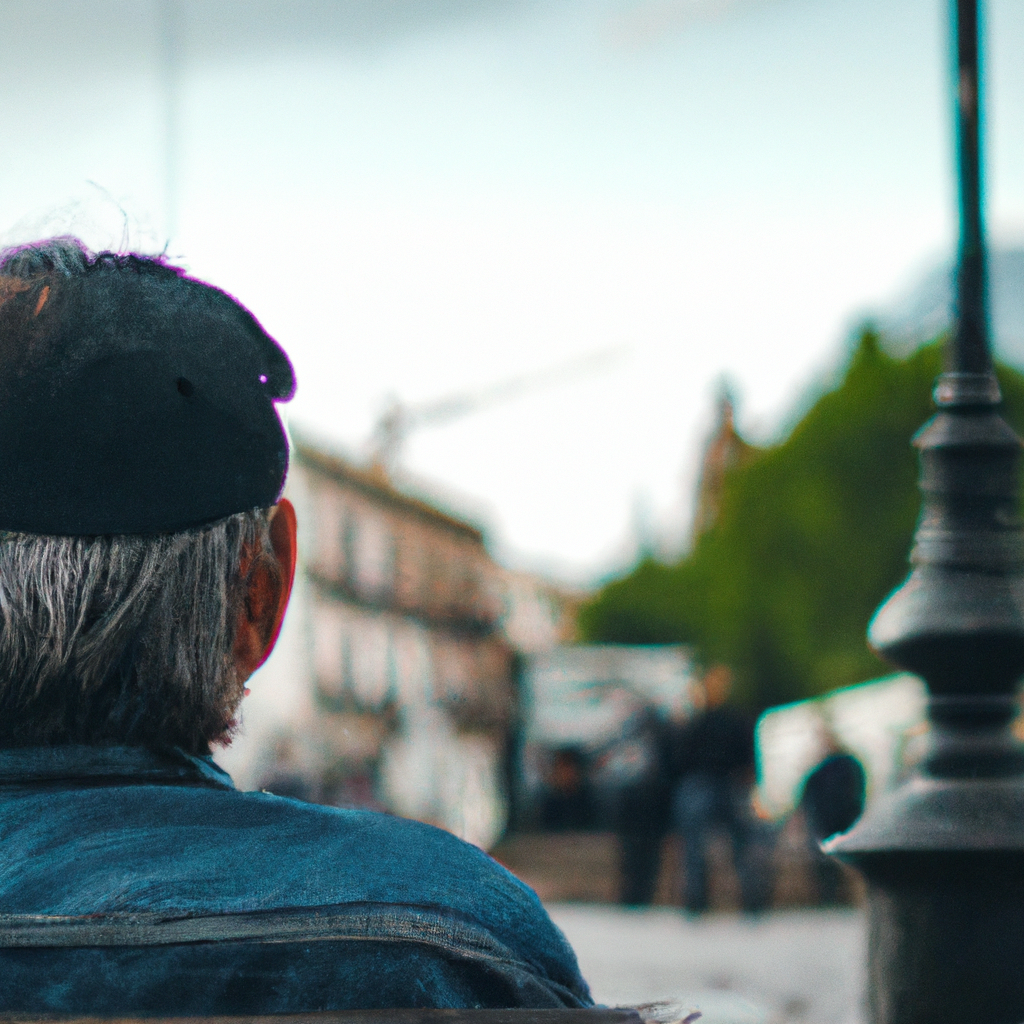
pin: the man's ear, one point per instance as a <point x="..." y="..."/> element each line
<point x="266" y="597"/>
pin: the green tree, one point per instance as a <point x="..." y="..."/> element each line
<point x="812" y="534"/>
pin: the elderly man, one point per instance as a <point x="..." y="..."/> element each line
<point x="146" y="559"/>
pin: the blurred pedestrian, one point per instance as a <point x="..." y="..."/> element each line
<point x="566" y="804"/>
<point x="636" y="771"/>
<point x="715" y="769"/>
<point x="832" y="800"/>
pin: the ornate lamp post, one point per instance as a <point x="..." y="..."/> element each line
<point x="944" y="855"/>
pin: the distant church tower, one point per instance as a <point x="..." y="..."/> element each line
<point x="725" y="450"/>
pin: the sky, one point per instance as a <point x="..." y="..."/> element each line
<point x="425" y="198"/>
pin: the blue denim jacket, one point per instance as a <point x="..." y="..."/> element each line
<point x="136" y="882"/>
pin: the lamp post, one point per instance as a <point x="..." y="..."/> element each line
<point x="944" y="854"/>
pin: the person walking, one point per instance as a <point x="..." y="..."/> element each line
<point x="715" y="770"/>
<point x="832" y="799"/>
<point x="642" y="794"/>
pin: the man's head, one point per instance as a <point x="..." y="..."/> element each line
<point x="145" y="561"/>
<point x="717" y="684"/>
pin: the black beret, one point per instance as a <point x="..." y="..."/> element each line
<point x="134" y="400"/>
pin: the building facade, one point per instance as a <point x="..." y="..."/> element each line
<point x="393" y="683"/>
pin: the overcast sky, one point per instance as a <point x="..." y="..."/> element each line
<point x="424" y="197"/>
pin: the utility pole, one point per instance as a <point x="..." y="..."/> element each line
<point x="944" y="854"/>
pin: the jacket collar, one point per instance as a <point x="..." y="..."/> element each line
<point x="105" y="766"/>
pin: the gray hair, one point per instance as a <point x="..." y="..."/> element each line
<point x="125" y="639"/>
<point x="63" y="255"/>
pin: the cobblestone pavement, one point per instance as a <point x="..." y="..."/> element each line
<point x="799" y="966"/>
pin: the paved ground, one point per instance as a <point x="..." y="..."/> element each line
<point x="799" y="966"/>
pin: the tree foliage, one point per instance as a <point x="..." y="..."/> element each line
<point x="812" y="534"/>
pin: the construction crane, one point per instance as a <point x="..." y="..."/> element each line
<point x="400" y="419"/>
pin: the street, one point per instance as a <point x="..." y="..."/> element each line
<point x="801" y="966"/>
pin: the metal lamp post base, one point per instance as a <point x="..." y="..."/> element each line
<point x="943" y="857"/>
<point x="946" y="938"/>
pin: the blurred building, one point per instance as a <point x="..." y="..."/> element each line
<point x="724" y="451"/>
<point x="539" y="615"/>
<point x="393" y="684"/>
